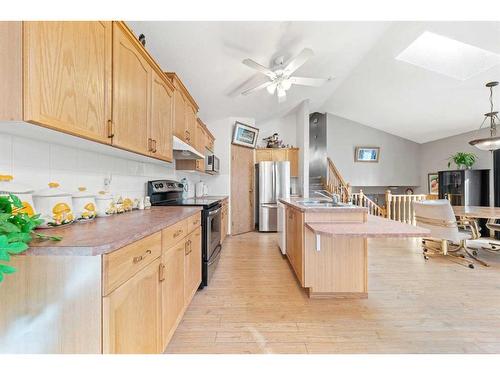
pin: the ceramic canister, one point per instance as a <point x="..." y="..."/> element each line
<point x="25" y="194"/>
<point x="54" y="205"/>
<point x="84" y="204"/>
<point x="105" y="204"/>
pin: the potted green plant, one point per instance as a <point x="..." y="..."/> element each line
<point x="463" y="160"/>
<point x="16" y="231"/>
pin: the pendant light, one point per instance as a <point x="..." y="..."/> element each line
<point x="491" y="143"/>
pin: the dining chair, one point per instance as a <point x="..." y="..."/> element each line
<point x="493" y="243"/>
<point x="446" y="239"/>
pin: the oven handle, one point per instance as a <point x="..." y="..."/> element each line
<point x="215" y="212"/>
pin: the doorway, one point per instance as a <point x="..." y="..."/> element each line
<point x="242" y="189"/>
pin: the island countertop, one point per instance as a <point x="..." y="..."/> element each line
<point x="374" y="227"/>
<point x="295" y="202"/>
<point x="107" y="234"/>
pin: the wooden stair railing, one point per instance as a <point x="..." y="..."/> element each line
<point x="360" y="199"/>
<point x="399" y="207"/>
<point x="335" y="183"/>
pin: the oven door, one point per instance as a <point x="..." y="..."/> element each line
<point x="213" y="234"/>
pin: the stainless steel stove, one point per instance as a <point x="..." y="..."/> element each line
<point x="169" y="193"/>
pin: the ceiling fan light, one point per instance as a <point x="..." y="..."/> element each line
<point x="286" y="84"/>
<point x="270" y="89"/>
<point x="486" y="144"/>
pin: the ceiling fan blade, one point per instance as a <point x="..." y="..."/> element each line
<point x="257" y="88"/>
<point x="305" y="81"/>
<point x="298" y="61"/>
<point x="261" y="68"/>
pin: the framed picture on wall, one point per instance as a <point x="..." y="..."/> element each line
<point x="245" y="135"/>
<point x="367" y="154"/>
<point x="433" y="183"/>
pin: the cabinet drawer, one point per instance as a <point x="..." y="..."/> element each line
<point x="174" y="233"/>
<point x="121" y="265"/>
<point x="193" y="222"/>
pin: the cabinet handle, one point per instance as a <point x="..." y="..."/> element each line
<point x="162" y="272"/>
<point x="111" y="134"/>
<point x="154" y="145"/>
<point x="150" y="141"/>
<point x="186" y="245"/>
<point x="142" y="257"/>
<point x="177" y="233"/>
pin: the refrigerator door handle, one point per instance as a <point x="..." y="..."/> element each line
<point x="274" y="182"/>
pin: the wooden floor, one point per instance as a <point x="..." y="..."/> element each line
<point x="254" y="305"/>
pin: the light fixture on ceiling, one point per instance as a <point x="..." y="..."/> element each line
<point x="491" y="143"/>
<point x="450" y="57"/>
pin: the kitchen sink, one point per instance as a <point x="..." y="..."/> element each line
<point x="317" y="203"/>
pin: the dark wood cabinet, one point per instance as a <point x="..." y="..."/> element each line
<point x="468" y="187"/>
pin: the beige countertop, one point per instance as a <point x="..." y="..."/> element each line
<point x="294" y="203"/>
<point x="107" y="234"/>
<point x="374" y="227"/>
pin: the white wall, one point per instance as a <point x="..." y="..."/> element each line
<point x="284" y="126"/>
<point x="302" y="131"/>
<point x="35" y="163"/>
<point x="399" y="158"/>
<point x="434" y="156"/>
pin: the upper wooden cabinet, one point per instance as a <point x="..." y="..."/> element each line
<point x="280" y="154"/>
<point x="67" y="76"/>
<point x="131" y="92"/>
<point x="162" y="104"/>
<point x="90" y="79"/>
<point x="185" y="111"/>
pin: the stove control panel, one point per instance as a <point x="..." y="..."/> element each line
<point x="164" y="186"/>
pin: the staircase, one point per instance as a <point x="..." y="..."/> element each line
<point x="398" y="207"/>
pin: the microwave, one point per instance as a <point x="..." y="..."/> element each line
<point x="212" y="164"/>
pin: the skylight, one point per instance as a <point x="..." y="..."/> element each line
<point x="447" y="56"/>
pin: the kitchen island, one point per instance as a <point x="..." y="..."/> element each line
<point x="327" y="245"/>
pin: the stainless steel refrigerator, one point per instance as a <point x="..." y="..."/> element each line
<point x="272" y="183"/>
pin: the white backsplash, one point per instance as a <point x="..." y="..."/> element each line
<point x="35" y="163"/>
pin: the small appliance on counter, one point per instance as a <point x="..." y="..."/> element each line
<point x="170" y="193"/>
<point x="24" y="193"/>
<point x="199" y="189"/>
<point x="84" y="205"/>
<point x="54" y="205"/>
<point x="185" y="188"/>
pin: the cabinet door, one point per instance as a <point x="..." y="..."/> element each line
<point x="293" y="157"/>
<point x="161" y="118"/>
<point x="190" y="126"/>
<point x="279" y="155"/>
<point x="263" y="155"/>
<point x="172" y="290"/>
<point x="290" y="244"/>
<point x="192" y="268"/>
<point x="179" y="115"/>
<point x="131" y="314"/>
<point x="298" y="235"/>
<point x="131" y="93"/>
<point x="200" y="138"/>
<point x="68" y="77"/>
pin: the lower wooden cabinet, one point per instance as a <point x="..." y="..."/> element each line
<point x="141" y="315"/>
<point x="295" y="241"/>
<point x="192" y="264"/>
<point x="172" y="290"/>
<point x="131" y="314"/>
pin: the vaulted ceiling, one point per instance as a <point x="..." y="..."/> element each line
<point x="370" y="85"/>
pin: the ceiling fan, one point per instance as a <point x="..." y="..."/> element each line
<point x="280" y="76"/>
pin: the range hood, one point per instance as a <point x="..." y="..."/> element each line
<point x="183" y="151"/>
